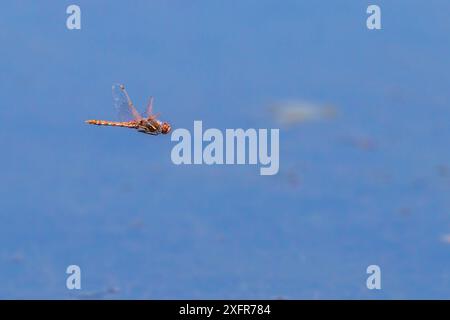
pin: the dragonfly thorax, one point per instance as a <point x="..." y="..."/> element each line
<point x="155" y="127"/>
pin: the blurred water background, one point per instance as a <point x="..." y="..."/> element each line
<point x="368" y="185"/>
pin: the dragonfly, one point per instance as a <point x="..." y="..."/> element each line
<point x="130" y="118"/>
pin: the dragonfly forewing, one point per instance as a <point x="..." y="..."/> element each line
<point x="149" y="109"/>
<point x="123" y="104"/>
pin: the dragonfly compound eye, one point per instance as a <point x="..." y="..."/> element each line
<point x="165" y="128"/>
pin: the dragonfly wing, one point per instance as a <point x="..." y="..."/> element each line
<point x="123" y="104"/>
<point x="149" y="110"/>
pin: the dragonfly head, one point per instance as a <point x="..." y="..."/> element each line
<point x="165" y="128"/>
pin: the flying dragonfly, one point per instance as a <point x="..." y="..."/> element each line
<point x="130" y="117"/>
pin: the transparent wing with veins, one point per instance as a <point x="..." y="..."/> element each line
<point x="149" y="110"/>
<point x="123" y="105"/>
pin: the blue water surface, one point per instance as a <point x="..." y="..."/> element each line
<point x="112" y="202"/>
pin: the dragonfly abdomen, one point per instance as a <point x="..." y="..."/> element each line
<point x="112" y="123"/>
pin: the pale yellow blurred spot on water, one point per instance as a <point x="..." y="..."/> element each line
<point x="446" y="238"/>
<point x="296" y="112"/>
